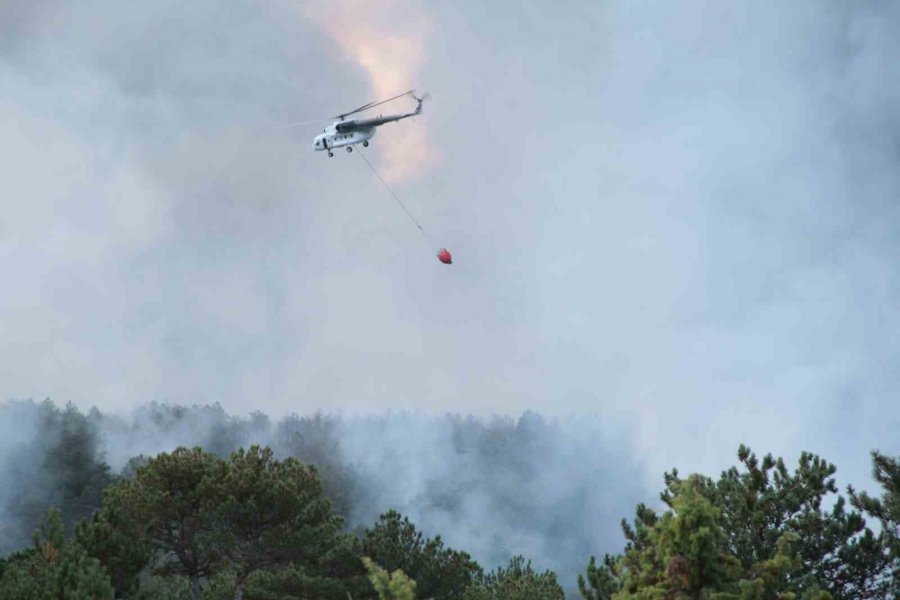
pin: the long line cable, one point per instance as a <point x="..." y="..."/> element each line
<point x="388" y="188"/>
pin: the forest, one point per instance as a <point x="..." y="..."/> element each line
<point x="191" y="503"/>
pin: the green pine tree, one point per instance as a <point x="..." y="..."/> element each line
<point x="173" y="505"/>
<point x="757" y="532"/>
<point x="54" y="569"/>
<point x="601" y="581"/>
<point x="121" y="549"/>
<point x="886" y="509"/>
<point x="440" y="573"/>
<point x="271" y="513"/>
<point x="390" y="586"/>
<point x="684" y="556"/>
<point x="518" y="581"/>
<point x="764" y="500"/>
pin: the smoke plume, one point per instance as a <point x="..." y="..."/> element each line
<point x="553" y="491"/>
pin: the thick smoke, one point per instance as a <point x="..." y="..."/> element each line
<point x="48" y="457"/>
<point x="553" y="491"/>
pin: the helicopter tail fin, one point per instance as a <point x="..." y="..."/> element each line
<point x="424" y="97"/>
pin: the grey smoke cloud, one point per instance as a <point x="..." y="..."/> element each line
<point x="678" y="217"/>
<point x="553" y="491"/>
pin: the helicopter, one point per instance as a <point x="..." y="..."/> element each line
<point x="349" y="132"/>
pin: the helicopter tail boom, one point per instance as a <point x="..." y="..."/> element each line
<point x="358" y="124"/>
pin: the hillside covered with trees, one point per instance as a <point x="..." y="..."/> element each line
<point x="261" y="522"/>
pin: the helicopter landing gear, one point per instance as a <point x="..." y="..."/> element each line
<point x="365" y="144"/>
<point x="330" y="154"/>
<point x="349" y="148"/>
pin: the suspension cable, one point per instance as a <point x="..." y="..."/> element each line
<point x="388" y="188"/>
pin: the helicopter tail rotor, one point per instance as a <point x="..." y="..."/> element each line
<point x="424" y="97"/>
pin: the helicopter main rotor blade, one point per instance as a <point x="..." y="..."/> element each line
<point x="301" y="123"/>
<point x="373" y="105"/>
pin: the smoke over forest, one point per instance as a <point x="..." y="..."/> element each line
<point x="552" y="490"/>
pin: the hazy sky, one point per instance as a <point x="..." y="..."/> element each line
<point x="679" y="216"/>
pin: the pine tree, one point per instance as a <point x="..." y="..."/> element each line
<point x="122" y="549"/>
<point x="759" y="531"/>
<point x="886" y="510"/>
<point x="61" y="468"/>
<point x="172" y="503"/>
<point x="271" y="513"/>
<point x="337" y="574"/>
<point x="764" y="500"/>
<point x="601" y="581"/>
<point x="54" y="569"/>
<point x="768" y="579"/>
<point x="390" y="586"/>
<point x="518" y="581"/>
<point x="685" y="551"/>
<point x="440" y="573"/>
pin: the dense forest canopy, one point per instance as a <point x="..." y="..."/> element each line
<point x="275" y="511"/>
<point x="496" y="487"/>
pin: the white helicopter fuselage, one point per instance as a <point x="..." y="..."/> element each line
<point x="349" y="132"/>
<point x="333" y="139"/>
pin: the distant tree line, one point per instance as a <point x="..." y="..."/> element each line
<point x="499" y="478"/>
<point x="249" y="525"/>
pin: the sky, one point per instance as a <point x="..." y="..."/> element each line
<point x="678" y="218"/>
